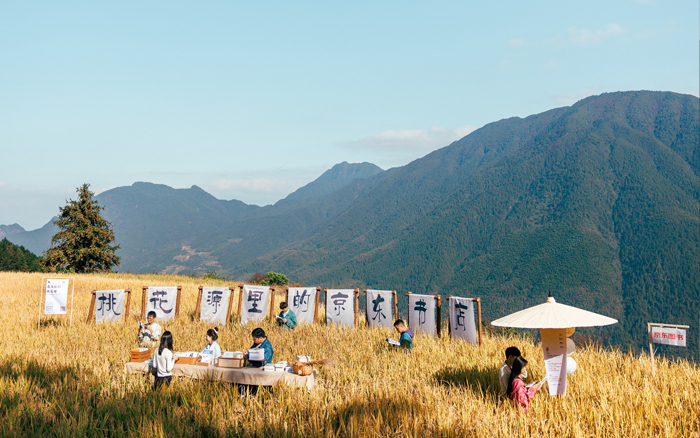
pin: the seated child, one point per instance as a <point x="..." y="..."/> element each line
<point x="164" y="361"/>
<point x="149" y="332"/>
<point x="287" y="318"/>
<point x="518" y="392"/>
<point x="260" y="341"/>
<point x="406" y="338"/>
<point x="212" y="336"/>
<point x="504" y="372"/>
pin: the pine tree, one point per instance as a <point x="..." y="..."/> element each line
<point x="83" y="242"/>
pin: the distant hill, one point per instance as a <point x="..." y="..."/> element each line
<point x="598" y="202"/>
<point x="8" y="230"/>
<point x="17" y="258"/>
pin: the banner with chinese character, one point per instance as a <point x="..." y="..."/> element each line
<point x="380" y="306"/>
<point x="668" y="336"/>
<point x="340" y="307"/>
<point x="302" y="301"/>
<point x="462" y="324"/>
<point x="214" y="305"/>
<point x="56" y="294"/>
<point x="109" y="305"/>
<point x="162" y="300"/>
<point x="421" y="313"/>
<point x="255" y="303"/>
<point x="554" y="349"/>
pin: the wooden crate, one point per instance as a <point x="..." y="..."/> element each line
<point x="229" y="362"/>
<point x="140" y="355"/>
<point x="187" y="360"/>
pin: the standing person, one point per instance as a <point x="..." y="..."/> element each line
<point x="212" y="336"/>
<point x="504" y="372"/>
<point x="260" y="341"/>
<point x="149" y="332"/>
<point x="164" y="361"/>
<point x="406" y="335"/>
<point x="287" y="318"/>
<point x="518" y="392"/>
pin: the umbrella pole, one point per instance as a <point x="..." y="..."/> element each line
<point x="651" y="351"/>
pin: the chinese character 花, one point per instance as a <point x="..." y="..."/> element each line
<point x="158" y="300"/>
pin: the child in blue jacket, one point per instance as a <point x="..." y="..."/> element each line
<point x="260" y="341"/>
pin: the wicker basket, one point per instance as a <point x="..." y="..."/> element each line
<point x="303" y="369"/>
<point x="229" y="362"/>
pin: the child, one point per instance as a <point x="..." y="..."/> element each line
<point x="260" y="341"/>
<point x="212" y="336"/>
<point x="287" y="319"/>
<point x="406" y="338"/>
<point x="520" y="394"/>
<point x="504" y="372"/>
<point x="164" y="361"/>
<point x="150" y="331"/>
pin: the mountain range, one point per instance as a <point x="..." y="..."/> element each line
<point x="598" y="202"/>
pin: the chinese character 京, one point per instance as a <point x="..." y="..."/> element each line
<point x="339" y="301"/>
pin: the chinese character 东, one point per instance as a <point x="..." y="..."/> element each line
<point x="107" y="304"/>
<point x="377" y="309"/>
<point x="214" y="298"/>
<point x="255" y="296"/>
<point x="339" y="301"/>
<point x="158" y="300"/>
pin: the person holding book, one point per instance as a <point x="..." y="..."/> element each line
<point x="287" y="319"/>
<point x="212" y="336"/>
<point x="519" y="393"/>
<point x="149" y="332"/>
<point x="504" y="372"/>
<point x="260" y="341"/>
<point x="405" y="336"/>
<point x="164" y="361"/>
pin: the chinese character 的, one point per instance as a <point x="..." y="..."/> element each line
<point x="301" y="300"/>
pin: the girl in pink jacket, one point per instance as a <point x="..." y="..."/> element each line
<point x="520" y="394"/>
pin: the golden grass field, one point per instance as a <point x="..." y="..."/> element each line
<point x="60" y="380"/>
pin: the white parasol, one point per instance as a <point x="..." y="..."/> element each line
<point x="552" y="315"/>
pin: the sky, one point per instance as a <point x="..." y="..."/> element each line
<point x="252" y="100"/>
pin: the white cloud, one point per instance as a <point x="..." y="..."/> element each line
<point x="570" y="99"/>
<point x="516" y="42"/>
<point x="594" y="36"/>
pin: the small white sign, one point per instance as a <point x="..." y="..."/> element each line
<point x="56" y="296"/>
<point x="554" y="351"/>
<point x="421" y="313"/>
<point x="340" y="307"/>
<point x="109" y="305"/>
<point x="255" y="303"/>
<point x="668" y="336"/>
<point x="162" y="300"/>
<point x="302" y="300"/>
<point x="214" y="304"/>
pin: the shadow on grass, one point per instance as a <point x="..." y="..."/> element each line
<point x="480" y="379"/>
<point x="52" y="322"/>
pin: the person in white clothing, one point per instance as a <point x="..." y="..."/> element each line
<point x="504" y="372"/>
<point x="164" y="361"/>
<point x="212" y="336"/>
<point x="149" y="332"/>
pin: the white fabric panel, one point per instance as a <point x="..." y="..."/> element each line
<point x="462" y="324"/>
<point x="162" y="299"/>
<point x="340" y="307"/>
<point x="109" y="305"/>
<point x="255" y="303"/>
<point x="56" y="296"/>
<point x="214" y="304"/>
<point x="421" y="313"/>
<point x="302" y="300"/>
<point x="380" y="308"/>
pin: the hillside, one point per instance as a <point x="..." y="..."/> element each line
<point x="61" y="380"/>
<point x="17" y="258"/>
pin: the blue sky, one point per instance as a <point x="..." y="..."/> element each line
<point x="252" y="100"/>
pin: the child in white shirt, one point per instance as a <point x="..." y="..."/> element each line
<point x="164" y="361"/>
<point x="212" y="336"/>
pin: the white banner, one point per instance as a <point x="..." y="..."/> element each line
<point x="462" y="324"/>
<point x="421" y="313"/>
<point x="340" y="307"/>
<point x="380" y="306"/>
<point x="56" y="295"/>
<point x="109" y="305"/>
<point x="214" y="304"/>
<point x="255" y="303"/>
<point x="668" y="336"/>
<point x="162" y="300"/>
<point x="302" y="300"/>
<point x="554" y="349"/>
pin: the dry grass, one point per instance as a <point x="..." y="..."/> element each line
<point x="69" y="381"/>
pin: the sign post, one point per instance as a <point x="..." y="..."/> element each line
<point x="666" y="334"/>
<point x="55" y="291"/>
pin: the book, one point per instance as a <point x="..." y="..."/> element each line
<point x="393" y="342"/>
<point x="536" y="383"/>
<point x="279" y="318"/>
